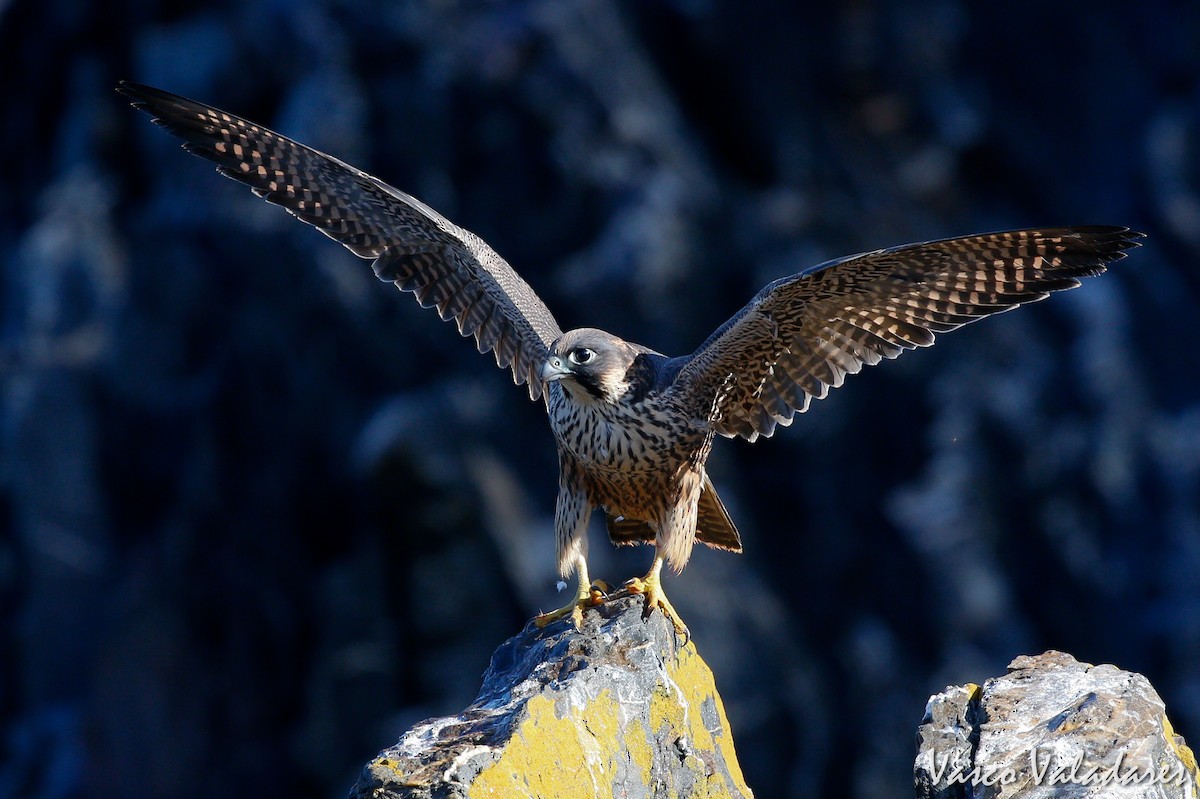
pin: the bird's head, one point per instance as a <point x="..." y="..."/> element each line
<point x="591" y="364"/>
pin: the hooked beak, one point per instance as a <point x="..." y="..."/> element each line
<point x="555" y="368"/>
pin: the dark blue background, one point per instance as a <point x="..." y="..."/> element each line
<point x="259" y="513"/>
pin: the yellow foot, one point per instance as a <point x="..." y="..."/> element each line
<point x="655" y="598"/>
<point x="596" y="593"/>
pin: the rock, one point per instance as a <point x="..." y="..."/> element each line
<point x="1052" y="727"/>
<point x="622" y="708"/>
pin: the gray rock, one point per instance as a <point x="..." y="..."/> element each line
<point x="1052" y="727"/>
<point x="621" y="708"/>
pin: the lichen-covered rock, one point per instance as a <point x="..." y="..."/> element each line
<point x="620" y="709"/>
<point x="1052" y="727"/>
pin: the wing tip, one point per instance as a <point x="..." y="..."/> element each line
<point x="147" y="98"/>
<point x="130" y="89"/>
<point x="1110" y="242"/>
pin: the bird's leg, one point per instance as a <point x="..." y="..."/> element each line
<point x="587" y="594"/>
<point x="571" y="516"/>
<point x="651" y="586"/>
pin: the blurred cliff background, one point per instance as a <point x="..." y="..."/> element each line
<point x="259" y="513"/>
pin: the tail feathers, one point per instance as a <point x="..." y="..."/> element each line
<point x="627" y="532"/>
<point x="713" y="525"/>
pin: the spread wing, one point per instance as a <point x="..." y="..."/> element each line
<point x="801" y="335"/>
<point x="446" y="267"/>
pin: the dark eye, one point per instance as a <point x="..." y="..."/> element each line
<point x="581" y="355"/>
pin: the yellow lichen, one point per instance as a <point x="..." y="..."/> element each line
<point x="577" y="755"/>
<point x="692" y="675"/>
<point x="543" y="770"/>
<point x="550" y="757"/>
<point x="1182" y="750"/>
<point x="386" y="763"/>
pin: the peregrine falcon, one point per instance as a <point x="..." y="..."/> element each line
<point x="635" y="427"/>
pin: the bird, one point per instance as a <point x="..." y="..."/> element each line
<point x="633" y="427"/>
